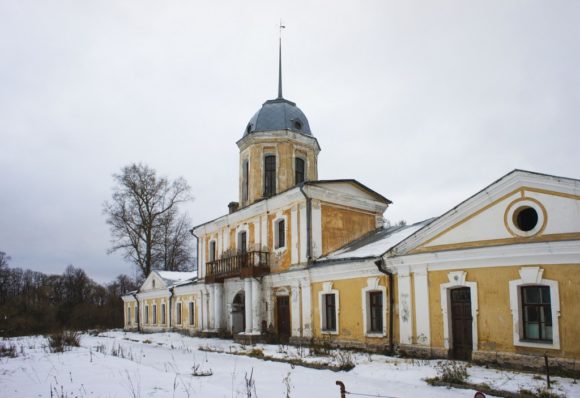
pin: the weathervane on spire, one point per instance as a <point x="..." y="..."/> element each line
<point x="280" y="60"/>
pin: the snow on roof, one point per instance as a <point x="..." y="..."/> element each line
<point x="378" y="243"/>
<point x="174" y="276"/>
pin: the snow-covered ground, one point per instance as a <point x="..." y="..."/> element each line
<point x="119" y="364"/>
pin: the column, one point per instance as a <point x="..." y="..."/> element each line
<point x="295" y="310"/>
<point x="256" y="298"/>
<point x="422" y="306"/>
<point x="306" y="309"/>
<point x="218" y="290"/>
<point x="248" y="304"/>
<point x="405" y="313"/>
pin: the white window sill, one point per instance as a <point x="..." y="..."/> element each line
<point x="539" y="344"/>
<point x="373" y="334"/>
<point x="335" y="332"/>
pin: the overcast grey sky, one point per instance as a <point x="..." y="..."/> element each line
<point x="425" y="102"/>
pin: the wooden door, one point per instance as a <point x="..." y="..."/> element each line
<point x="461" y="322"/>
<point x="283" y="317"/>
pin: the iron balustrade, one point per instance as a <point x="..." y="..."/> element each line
<point x="247" y="264"/>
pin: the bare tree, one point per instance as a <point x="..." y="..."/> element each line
<point x="144" y="218"/>
<point x="4" y="259"/>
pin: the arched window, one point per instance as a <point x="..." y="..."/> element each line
<point x="269" y="175"/>
<point x="299" y="170"/>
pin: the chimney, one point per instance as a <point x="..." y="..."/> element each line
<point x="233" y="207"/>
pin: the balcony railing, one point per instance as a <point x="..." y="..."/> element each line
<point x="242" y="265"/>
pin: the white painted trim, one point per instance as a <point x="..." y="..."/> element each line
<point x="516" y="205"/>
<point x="422" y="319"/>
<point x="327" y="289"/>
<point x="458" y="279"/>
<point x="405" y="307"/>
<point x="293" y="229"/>
<point x="316" y="225"/>
<point x="239" y="230"/>
<point x="373" y="286"/>
<point x="532" y="276"/>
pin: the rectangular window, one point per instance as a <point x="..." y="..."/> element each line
<point x="212" y="250"/>
<point x="147" y="314"/>
<point x="329" y="302"/>
<point x="243" y="242"/>
<point x="376" y="312"/>
<point x="129" y="315"/>
<point x="280" y="234"/>
<point x="154" y="314"/>
<point x="537" y="313"/>
<point x="269" y="175"/>
<point x="163" y="314"/>
<point x="137" y="314"/>
<point x="245" y="180"/>
<point x="299" y="170"/>
<point x="178" y="314"/>
<point x="191" y="313"/>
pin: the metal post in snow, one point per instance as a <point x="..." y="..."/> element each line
<point x="342" y="388"/>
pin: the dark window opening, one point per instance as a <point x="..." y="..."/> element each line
<point x="297" y="124"/>
<point x="249" y="128"/>
<point x="537" y="313"/>
<point x="242" y="243"/>
<point x="178" y="317"/>
<point x="329" y="312"/>
<point x="245" y="181"/>
<point x="376" y="312"/>
<point x="280" y="234"/>
<point x="191" y="313"/>
<point x="212" y="250"/>
<point x="526" y="218"/>
<point x="269" y="175"/>
<point x="299" y="170"/>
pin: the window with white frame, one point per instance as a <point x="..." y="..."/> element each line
<point x="329" y="312"/>
<point x="535" y="306"/>
<point x="280" y="233"/>
<point x="147" y="314"/>
<point x="163" y="314"/>
<point x="191" y="312"/>
<point x="178" y="313"/>
<point x="374" y="298"/>
<point x="242" y="242"/>
<point x="155" y="314"/>
<point x="137" y="313"/>
<point x="328" y="300"/>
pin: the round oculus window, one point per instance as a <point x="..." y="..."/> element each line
<point x="525" y="217"/>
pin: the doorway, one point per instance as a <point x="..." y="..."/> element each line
<point x="283" y="317"/>
<point x="461" y="323"/>
<point x="238" y="314"/>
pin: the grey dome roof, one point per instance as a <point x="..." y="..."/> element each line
<point x="278" y="114"/>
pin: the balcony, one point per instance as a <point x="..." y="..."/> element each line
<point x="243" y="265"/>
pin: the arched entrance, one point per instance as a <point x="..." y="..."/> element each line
<point x="238" y="313"/>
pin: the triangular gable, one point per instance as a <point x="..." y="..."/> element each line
<point x="351" y="188"/>
<point x="153" y="282"/>
<point x="490" y="217"/>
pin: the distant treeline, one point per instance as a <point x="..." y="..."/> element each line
<point x="32" y="302"/>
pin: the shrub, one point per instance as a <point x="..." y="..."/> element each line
<point x="8" y="350"/>
<point x="63" y="341"/>
<point x="344" y="360"/>
<point x="452" y="372"/>
<point x="256" y="353"/>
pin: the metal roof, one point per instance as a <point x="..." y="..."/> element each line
<point x="278" y="114"/>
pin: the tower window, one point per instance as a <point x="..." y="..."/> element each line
<point x="269" y="175"/>
<point x="297" y="124"/>
<point x="245" y="180"/>
<point x="299" y="170"/>
<point x="212" y="250"/>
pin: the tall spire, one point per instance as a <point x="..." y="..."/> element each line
<point x="280" y="61"/>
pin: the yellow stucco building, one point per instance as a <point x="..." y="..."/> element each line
<point x="307" y="260"/>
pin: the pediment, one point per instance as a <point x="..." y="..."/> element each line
<point x="521" y="207"/>
<point x="153" y="282"/>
